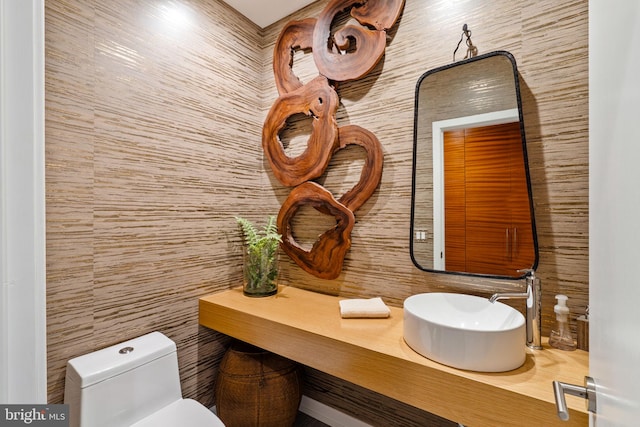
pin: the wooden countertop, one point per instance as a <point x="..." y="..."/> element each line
<point x="306" y="327"/>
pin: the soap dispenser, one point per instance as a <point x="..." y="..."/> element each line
<point x="561" y="336"/>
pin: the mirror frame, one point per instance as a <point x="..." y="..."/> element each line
<point x="416" y="117"/>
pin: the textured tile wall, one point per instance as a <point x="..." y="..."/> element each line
<point x="549" y="42"/>
<point x="153" y="144"/>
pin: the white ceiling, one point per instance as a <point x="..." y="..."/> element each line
<point x="266" y="12"/>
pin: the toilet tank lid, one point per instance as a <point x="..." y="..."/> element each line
<point x="100" y="365"/>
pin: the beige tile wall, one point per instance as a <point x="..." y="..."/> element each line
<point x="153" y="145"/>
<point x="549" y="42"/>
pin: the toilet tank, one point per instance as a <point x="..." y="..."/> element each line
<point x="122" y="384"/>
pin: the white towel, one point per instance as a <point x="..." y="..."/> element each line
<point x="373" y="307"/>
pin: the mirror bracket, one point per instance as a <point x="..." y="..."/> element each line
<point x="472" y="50"/>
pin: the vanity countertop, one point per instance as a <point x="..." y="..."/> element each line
<point x="306" y="327"/>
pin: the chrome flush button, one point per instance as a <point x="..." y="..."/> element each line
<point x="125" y="350"/>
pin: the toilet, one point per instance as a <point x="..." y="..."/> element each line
<point x="135" y="383"/>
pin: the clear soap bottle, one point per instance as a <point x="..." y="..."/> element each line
<point x="561" y="337"/>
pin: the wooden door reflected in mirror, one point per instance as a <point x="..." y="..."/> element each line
<point x="486" y="229"/>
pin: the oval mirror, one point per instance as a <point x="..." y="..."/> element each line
<point x="472" y="209"/>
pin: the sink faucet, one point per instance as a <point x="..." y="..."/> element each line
<point x="533" y="295"/>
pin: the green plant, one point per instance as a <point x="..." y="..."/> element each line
<point x="261" y="256"/>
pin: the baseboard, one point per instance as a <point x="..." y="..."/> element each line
<point x="329" y="415"/>
<point x="326" y="414"/>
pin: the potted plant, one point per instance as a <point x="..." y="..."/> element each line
<point x="260" y="256"/>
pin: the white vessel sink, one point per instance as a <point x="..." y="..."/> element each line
<point x="465" y="331"/>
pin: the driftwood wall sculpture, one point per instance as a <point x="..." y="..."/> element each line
<point x="346" y="54"/>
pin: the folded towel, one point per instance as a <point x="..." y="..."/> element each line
<point x="374" y="307"/>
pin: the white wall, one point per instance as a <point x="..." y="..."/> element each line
<point x="23" y="376"/>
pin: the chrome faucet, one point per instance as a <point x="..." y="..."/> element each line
<point x="533" y="294"/>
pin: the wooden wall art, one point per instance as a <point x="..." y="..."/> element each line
<point x="348" y="53"/>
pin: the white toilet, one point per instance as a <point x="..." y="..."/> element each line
<point x="135" y="383"/>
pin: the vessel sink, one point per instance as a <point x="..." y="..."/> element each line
<point x="465" y="331"/>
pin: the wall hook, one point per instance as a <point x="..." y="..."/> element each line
<point x="472" y="50"/>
